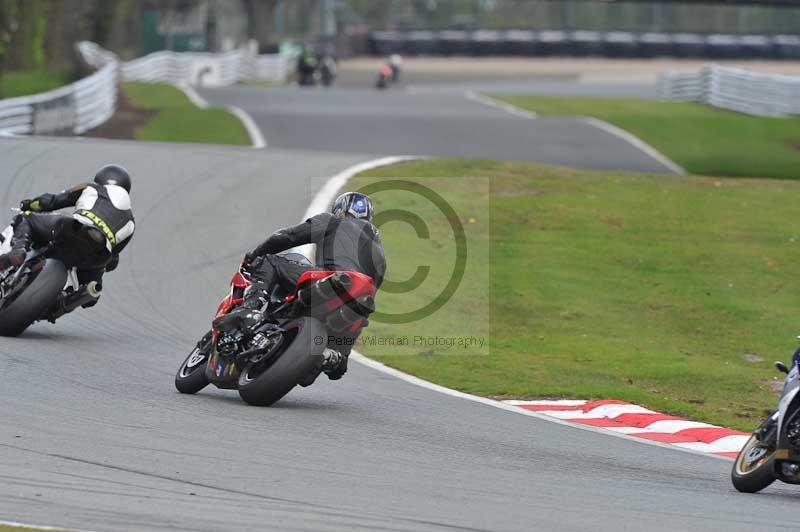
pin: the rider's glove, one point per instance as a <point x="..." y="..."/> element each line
<point x="39" y="204"/>
<point x="249" y="258"/>
<point x="30" y="205"/>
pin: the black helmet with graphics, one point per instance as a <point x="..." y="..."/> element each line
<point x="113" y="174"/>
<point x="353" y="204"/>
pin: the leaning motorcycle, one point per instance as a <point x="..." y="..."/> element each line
<point x="265" y="360"/>
<point x="46" y="286"/>
<point x="773" y="450"/>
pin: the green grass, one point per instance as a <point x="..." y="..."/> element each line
<point x="179" y="120"/>
<point x="702" y="139"/>
<point x="643" y="288"/>
<point x="14" y="84"/>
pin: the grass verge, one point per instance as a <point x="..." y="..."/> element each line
<point x="179" y="120"/>
<point x="13" y="84"/>
<point x="702" y="139"/>
<point x="674" y="293"/>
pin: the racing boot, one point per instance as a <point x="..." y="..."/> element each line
<point x="19" y="244"/>
<point x="334" y="364"/>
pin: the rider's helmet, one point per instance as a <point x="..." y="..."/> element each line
<point x="113" y="174"/>
<point x="353" y="204"/>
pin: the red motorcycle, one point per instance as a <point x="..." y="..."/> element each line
<point x="285" y="347"/>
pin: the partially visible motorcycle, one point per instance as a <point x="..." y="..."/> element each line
<point x="384" y="77"/>
<point x="395" y="63"/>
<point x="46" y="286"/>
<point x="327" y="71"/>
<point x="773" y="450"/>
<point x="284" y="348"/>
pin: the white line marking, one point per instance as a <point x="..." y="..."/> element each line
<point x="321" y="202"/>
<point x="192" y="94"/>
<point x="604" y="411"/>
<point x="671" y="426"/>
<point x="631" y="139"/>
<point x="358" y="357"/>
<point x="542" y="402"/>
<point x="256" y="137"/>
<point x="728" y="444"/>
<point x="627" y="430"/>
<point x="634" y="141"/>
<point x="506" y="107"/>
<point x="35" y="527"/>
<point x="324" y="198"/>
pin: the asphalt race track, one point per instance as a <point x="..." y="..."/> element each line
<point x="94" y="436"/>
<point x="427" y="121"/>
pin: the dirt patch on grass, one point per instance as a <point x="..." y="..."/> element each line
<point x="774" y="384"/>
<point x="128" y="118"/>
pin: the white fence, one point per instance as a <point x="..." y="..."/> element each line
<point x="69" y="110"/>
<point x="735" y="89"/>
<point x="76" y="108"/>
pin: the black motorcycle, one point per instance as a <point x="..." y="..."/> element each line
<point x="773" y="450"/>
<point x="46" y="286"/>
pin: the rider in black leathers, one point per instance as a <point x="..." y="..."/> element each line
<point x="345" y="240"/>
<point x="102" y="208"/>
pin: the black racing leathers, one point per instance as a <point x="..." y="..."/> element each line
<point x="106" y="209"/>
<point x="342" y="244"/>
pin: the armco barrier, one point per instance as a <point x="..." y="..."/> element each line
<point x="582" y="42"/>
<point x="735" y="89"/>
<point x="68" y="110"/>
<point x="87" y="103"/>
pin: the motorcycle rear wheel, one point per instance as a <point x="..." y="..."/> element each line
<point x="754" y="468"/>
<point x="300" y="355"/>
<point x="35" y="299"/>
<point x="191" y="376"/>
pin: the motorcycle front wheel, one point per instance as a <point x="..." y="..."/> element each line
<point x="754" y="468"/>
<point x="191" y="376"/>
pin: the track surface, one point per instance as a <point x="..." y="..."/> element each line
<point x="431" y="120"/>
<point x="94" y="435"/>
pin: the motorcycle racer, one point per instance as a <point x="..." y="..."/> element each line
<point x="104" y="206"/>
<point x="345" y="239"/>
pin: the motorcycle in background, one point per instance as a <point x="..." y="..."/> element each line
<point x="773" y="450"/>
<point x="384" y="77"/>
<point x="327" y="70"/>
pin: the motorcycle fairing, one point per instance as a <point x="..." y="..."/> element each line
<point x="789" y="403"/>
<point x="362" y="285"/>
<point x="5" y="239"/>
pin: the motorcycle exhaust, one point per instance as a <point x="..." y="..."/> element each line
<point x="325" y="290"/>
<point x="86" y="296"/>
<point x="349" y="314"/>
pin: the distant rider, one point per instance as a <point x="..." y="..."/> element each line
<point x="345" y="240"/>
<point x="104" y="205"/>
